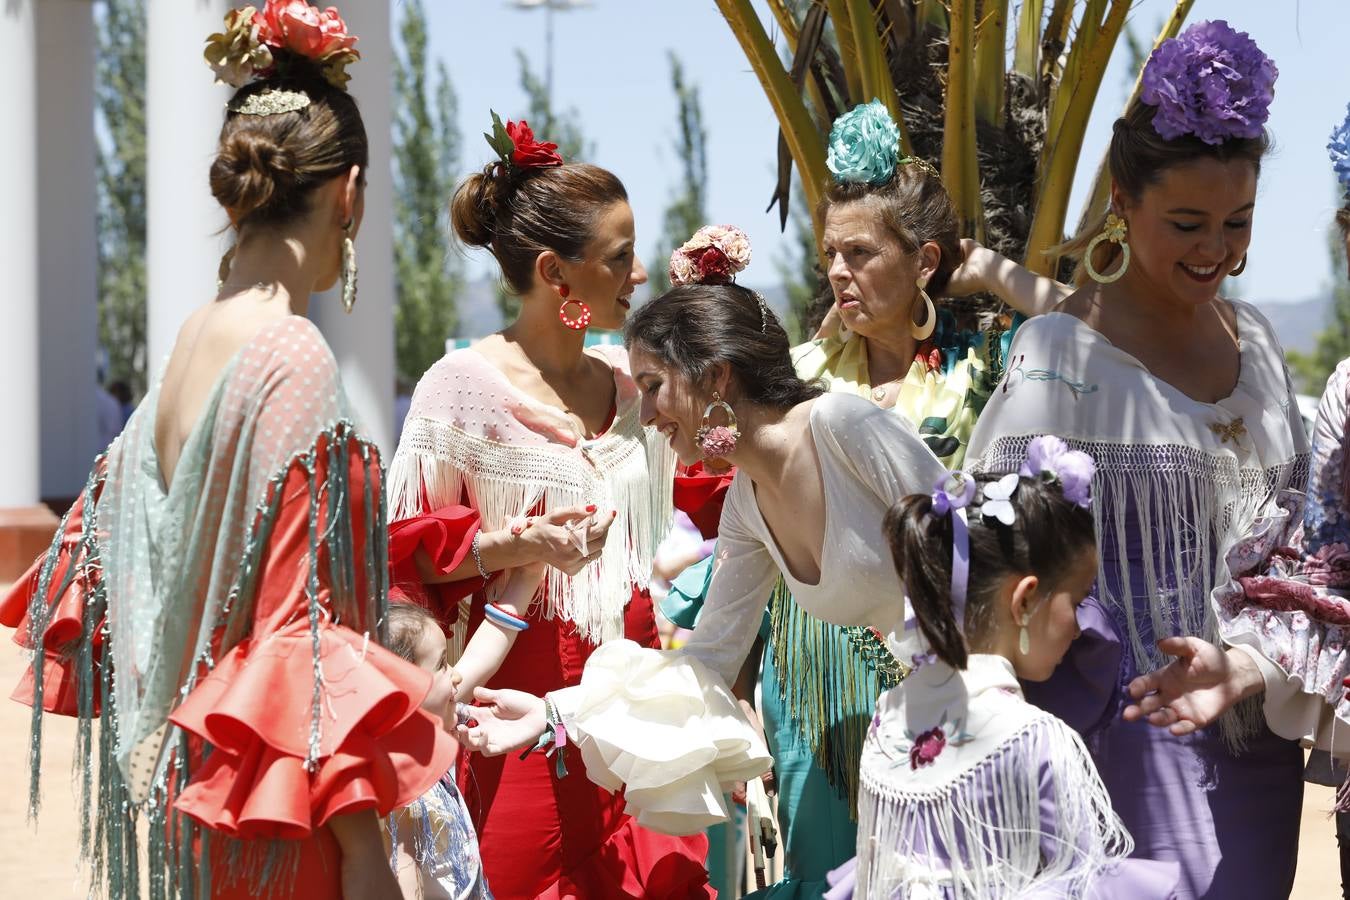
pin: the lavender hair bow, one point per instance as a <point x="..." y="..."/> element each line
<point x="951" y="495"/>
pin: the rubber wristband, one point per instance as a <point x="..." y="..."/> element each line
<point x="499" y="616"/>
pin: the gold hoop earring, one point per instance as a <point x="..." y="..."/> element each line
<point x="924" y="331"/>
<point x="1114" y="232"/>
<point x="1242" y="267"/>
<point x="348" y="268"/>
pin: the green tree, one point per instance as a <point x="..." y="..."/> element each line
<point x="687" y="211"/>
<point x="426" y="157"/>
<point x="1311" y="370"/>
<point x="120" y="99"/>
<point x="562" y="128"/>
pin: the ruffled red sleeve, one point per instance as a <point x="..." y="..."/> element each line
<point x="67" y="596"/>
<point x="446" y="535"/>
<point x="700" y="495"/>
<point x="377" y="749"/>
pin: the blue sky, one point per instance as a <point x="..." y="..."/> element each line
<point x="611" y="66"/>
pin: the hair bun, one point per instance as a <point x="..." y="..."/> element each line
<point x="252" y="172"/>
<point x="476" y="204"/>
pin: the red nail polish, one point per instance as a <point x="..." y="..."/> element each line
<point x="613" y="512"/>
<point x="591" y="508"/>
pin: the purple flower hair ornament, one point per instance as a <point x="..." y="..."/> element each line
<point x="1209" y="81"/>
<point x="1339" y="149"/>
<point x="1050" y="459"/>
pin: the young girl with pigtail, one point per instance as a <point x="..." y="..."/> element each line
<point x="966" y="789"/>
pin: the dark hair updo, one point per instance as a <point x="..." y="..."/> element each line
<point x="1138" y="157"/>
<point x="1044" y="540"/>
<point x="518" y="214"/>
<point x="915" y="206"/>
<point x="694" y="327"/>
<point x="267" y="167"/>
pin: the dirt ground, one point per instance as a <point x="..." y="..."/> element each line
<point x="41" y="860"/>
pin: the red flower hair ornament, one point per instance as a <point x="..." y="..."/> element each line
<point x="517" y="149"/>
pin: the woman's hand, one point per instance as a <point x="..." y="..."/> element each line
<point x="501" y="721"/>
<point x="972" y="276"/>
<point x="1193" y="690"/>
<point x="568" y="539"/>
<point x="365" y="870"/>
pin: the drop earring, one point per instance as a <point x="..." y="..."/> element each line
<point x="348" y="268"/>
<point x="1024" y="639"/>
<point x="1113" y="232"/>
<point x="583" y="317"/>
<point x="924" y="331"/>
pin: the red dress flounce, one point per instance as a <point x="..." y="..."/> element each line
<point x="543" y="837"/>
<point x="249" y="718"/>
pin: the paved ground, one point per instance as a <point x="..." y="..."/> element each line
<point x="42" y="859"/>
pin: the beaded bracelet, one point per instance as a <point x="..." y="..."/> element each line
<point x="498" y="616"/>
<point x="477" y="556"/>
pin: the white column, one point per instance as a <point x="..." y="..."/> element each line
<point x="363" y="342"/>
<point x="67" y="251"/>
<point x="184" y="111"/>
<point x="18" y="257"/>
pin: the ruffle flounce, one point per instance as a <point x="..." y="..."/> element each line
<point x="666" y="729"/>
<point x="377" y="748"/>
<point x="63" y="631"/>
<point x="637" y="864"/>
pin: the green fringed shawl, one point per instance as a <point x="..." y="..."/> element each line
<point x="830" y="677"/>
<point x="181" y="562"/>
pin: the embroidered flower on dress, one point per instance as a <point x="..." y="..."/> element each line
<point x="1209" y="81"/>
<point x="927" y="747"/>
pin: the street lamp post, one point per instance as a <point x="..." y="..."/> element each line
<point x="549" y="7"/>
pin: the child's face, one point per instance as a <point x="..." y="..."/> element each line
<point x="1053" y="622"/>
<point x="430" y="655"/>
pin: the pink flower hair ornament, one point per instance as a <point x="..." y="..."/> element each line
<point x="714" y="255"/>
<point x="258" y="44"/>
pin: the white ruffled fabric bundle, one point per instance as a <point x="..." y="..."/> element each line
<point x="666" y="727"/>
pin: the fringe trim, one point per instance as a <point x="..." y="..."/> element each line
<point x="829" y="678"/>
<point x="1176" y="512"/>
<point x="111" y="812"/>
<point x="627" y="469"/>
<point x="982" y="835"/>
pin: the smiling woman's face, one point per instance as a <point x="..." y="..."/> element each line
<point x="670" y="402"/>
<point x="1190" y="229"/>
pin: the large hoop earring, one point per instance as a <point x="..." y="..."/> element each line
<point x="348" y="268"/>
<point x="717" y="442"/>
<point x="583" y="319"/>
<point x="925" y="331"/>
<point x="1242" y="267"/>
<point x="1114" y="232"/>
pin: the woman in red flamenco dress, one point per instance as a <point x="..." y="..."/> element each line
<point x="526" y="448"/>
<point x="216" y="594"/>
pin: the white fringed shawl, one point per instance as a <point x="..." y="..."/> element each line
<point x="968" y="791"/>
<point x="470" y="432"/>
<point x="1180" y="483"/>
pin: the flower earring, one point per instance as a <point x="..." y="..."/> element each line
<point x="1114" y="232"/>
<point x="924" y="331"/>
<point x="583" y="319"/>
<point x="717" y="441"/>
<point x="348" y="268"/>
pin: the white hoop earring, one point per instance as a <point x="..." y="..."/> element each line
<point x="925" y="331"/>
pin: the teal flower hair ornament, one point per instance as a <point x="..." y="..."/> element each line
<point x="864" y="145"/>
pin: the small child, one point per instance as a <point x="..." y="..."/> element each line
<point x="433" y="847"/>
<point x="967" y="790"/>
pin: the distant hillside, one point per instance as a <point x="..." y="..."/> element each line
<point x="1297" y="324"/>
